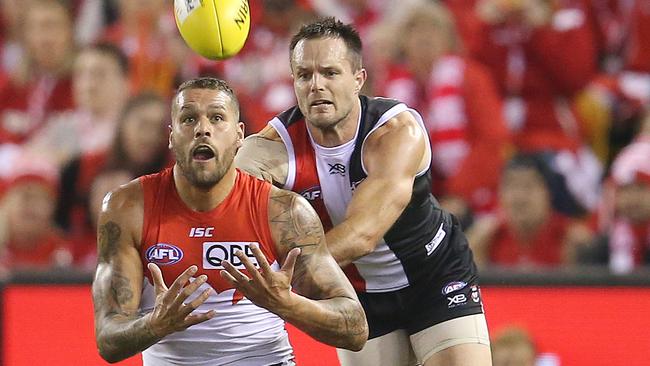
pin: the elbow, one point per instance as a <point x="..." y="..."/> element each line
<point x="357" y="335"/>
<point x="358" y="341"/>
<point x="109" y="356"/>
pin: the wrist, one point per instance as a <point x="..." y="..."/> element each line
<point x="288" y="310"/>
<point x="151" y="329"/>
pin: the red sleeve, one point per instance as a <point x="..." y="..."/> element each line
<point x="488" y="135"/>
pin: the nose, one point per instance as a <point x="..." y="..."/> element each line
<point x="316" y="82"/>
<point x="203" y="128"/>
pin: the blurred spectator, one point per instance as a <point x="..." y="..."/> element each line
<point x="613" y="103"/>
<point x="139" y="147"/>
<point x="146" y="32"/>
<point x="626" y="217"/>
<point x="106" y="181"/>
<point x="541" y="53"/>
<point x="260" y="73"/>
<point x="11" y="50"/>
<point x="100" y="89"/>
<point x="459" y="103"/>
<point x="528" y="231"/>
<point x="30" y="239"/>
<point x="41" y="86"/>
<point x="513" y="347"/>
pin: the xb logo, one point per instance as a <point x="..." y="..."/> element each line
<point x="459" y="299"/>
<point x="337" y="168"/>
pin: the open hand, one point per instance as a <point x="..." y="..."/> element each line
<point x="171" y="313"/>
<point x="265" y="287"/>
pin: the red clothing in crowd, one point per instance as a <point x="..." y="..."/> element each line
<point x="462" y="111"/>
<point x="24" y="109"/>
<point x="544" y="248"/>
<point x="41" y="255"/>
<point x="538" y="70"/>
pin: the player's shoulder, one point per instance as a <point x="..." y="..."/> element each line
<point x="401" y="126"/>
<point x="282" y="200"/>
<point x="127" y="198"/>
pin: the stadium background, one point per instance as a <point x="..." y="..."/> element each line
<point x="537" y="112"/>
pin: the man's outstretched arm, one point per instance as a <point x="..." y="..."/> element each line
<point x="324" y="304"/>
<point x="121" y="330"/>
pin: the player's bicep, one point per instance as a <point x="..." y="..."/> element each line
<point x="295" y="224"/>
<point x="118" y="278"/>
<point x="398" y="149"/>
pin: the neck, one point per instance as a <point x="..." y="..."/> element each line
<point x="339" y="133"/>
<point x="204" y="199"/>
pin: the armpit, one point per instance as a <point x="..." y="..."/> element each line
<point x="264" y="158"/>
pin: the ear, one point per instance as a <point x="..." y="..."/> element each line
<point x="241" y="127"/>
<point x="171" y="137"/>
<point x="360" y="79"/>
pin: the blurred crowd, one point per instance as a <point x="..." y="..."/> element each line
<point x="537" y="112"/>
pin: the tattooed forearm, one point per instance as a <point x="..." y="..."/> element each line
<point x="120" y="289"/>
<point x="108" y="240"/>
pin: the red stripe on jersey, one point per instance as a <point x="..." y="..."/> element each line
<point x="308" y="185"/>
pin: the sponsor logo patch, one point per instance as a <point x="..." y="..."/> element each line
<point x="216" y="252"/>
<point x="164" y="254"/>
<point x="311" y="193"/>
<point x="337" y="168"/>
<point x="437" y="239"/>
<point x="453" y="286"/>
<point x="457" y="300"/>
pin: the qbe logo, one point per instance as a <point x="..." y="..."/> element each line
<point x="164" y="254"/>
<point x="216" y="252"/>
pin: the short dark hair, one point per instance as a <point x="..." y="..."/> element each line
<point x="330" y="27"/>
<point x="212" y="84"/>
<point x="113" y="51"/>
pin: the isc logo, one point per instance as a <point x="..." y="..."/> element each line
<point x="201" y="232"/>
<point x="164" y="254"/>
<point x="216" y="252"/>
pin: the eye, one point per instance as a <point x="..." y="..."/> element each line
<point x="217" y="118"/>
<point x="188" y="120"/>
<point x="303" y="76"/>
<point x="331" y="73"/>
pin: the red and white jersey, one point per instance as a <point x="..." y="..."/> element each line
<point x="327" y="178"/>
<point x="176" y="237"/>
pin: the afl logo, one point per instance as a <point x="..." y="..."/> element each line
<point x="312" y="193"/>
<point x="164" y="254"/>
<point x="453" y="286"/>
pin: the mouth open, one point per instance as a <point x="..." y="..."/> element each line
<point x="320" y="102"/>
<point x="203" y="153"/>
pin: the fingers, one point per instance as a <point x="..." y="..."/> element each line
<point x="188" y="291"/>
<point x="181" y="280"/>
<point x="252" y="270"/>
<point x="290" y="261"/>
<point x="199" y="318"/>
<point x="261" y="259"/>
<point x="232" y="274"/>
<point x="156" y="275"/>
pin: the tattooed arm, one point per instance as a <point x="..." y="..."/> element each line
<point x="324" y="306"/>
<point x="120" y="330"/>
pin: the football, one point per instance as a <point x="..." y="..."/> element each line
<point x="215" y="29"/>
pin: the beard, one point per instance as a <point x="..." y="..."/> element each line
<point x="207" y="177"/>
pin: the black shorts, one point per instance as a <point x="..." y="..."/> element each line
<point x="448" y="289"/>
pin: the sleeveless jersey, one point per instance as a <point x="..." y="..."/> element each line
<point x="176" y="237"/>
<point x="327" y="177"/>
